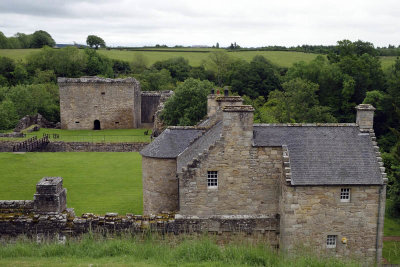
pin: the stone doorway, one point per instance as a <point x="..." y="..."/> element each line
<point x="96" y="125"/>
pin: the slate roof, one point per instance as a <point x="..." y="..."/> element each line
<point x="170" y="143"/>
<point x="324" y="155"/>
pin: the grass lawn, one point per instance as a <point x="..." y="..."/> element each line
<point x="96" y="182"/>
<point x="111" y="135"/>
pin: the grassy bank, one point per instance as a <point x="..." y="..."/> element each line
<point x="171" y="251"/>
<point x="96" y="182"/>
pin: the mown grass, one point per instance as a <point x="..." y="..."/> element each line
<point x="150" y="251"/>
<point x="109" y="136"/>
<point x="96" y="182"/>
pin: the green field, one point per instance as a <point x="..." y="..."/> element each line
<point x="96" y="182"/>
<point x="108" y="136"/>
<point x="280" y="58"/>
<point x="196" y="58"/>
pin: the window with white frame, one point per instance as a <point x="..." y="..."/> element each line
<point x="212" y="178"/>
<point x="331" y="241"/>
<point x="345" y="195"/>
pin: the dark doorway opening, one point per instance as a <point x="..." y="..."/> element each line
<point x="96" y="125"/>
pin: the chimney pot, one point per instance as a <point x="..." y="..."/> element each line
<point x="226" y="92"/>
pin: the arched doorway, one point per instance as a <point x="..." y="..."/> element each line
<point x="96" y="125"/>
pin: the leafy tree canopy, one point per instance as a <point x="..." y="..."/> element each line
<point x="95" y="41"/>
<point x="188" y="105"/>
<point x="42" y="38"/>
<point x="298" y="102"/>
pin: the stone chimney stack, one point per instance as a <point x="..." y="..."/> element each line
<point x="238" y="125"/>
<point x="215" y="102"/>
<point x="365" y="116"/>
<point x="212" y="104"/>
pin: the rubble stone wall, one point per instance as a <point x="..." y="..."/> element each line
<point x="115" y="103"/>
<point x="310" y="213"/>
<point x="47" y="217"/>
<point x="160" y="185"/>
<point x="58" y="146"/>
<point x="248" y="177"/>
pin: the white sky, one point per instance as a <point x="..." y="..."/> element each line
<point x="176" y="22"/>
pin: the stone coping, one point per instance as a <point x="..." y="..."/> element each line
<point x="240" y="108"/>
<point x="224" y="217"/>
<point x="229" y="98"/>
<point x="156" y="93"/>
<point x="306" y="124"/>
<point x="95" y="79"/>
<point x="365" y="107"/>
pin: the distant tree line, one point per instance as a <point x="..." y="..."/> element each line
<point x="38" y="39"/>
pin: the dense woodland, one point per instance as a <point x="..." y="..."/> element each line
<point x="324" y="90"/>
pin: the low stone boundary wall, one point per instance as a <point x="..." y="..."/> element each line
<point x="47" y="216"/>
<point x="59" y="146"/>
<point x="16" y="206"/>
<point x="7" y="146"/>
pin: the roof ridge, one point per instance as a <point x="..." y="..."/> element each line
<point x="306" y="124"/>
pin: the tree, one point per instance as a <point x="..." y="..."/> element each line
<point x="139" y="63"/>
<point x="298" y="102"/>
<point x="178" y="67"/>
<point x="96" y="41"/>
<point x="219" y="62"/>
<point x="65" y="62"/>
<point x="254" y="79"/>
<point x="42" y="38"/>
<point x="155" y="80"/>
<point x="3" y="41"/>
<point x="188" y="105"/>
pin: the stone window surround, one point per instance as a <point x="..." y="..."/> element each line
<point x="212" y="179"/>
<point x="345" y="194"/>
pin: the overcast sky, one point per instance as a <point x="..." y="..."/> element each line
<point x="203" y="22"/>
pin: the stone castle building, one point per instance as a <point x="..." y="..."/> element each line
<point x="324" y="183"/>
<point x="102" y="103"/>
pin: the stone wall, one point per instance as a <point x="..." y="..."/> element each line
<point x="241" y="169"/>
<point x="47" y="217"/>
<point x="58" y="146"/>
<point x="310" y="213"/>
<point x="93" y="147"/>
<point x="7" y="146"/>
<point x="160" y="185"/>
<point x="150" y="102"/>
<point x="115" y="103"/>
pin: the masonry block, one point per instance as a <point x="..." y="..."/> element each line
<point x="50" y="196"/>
